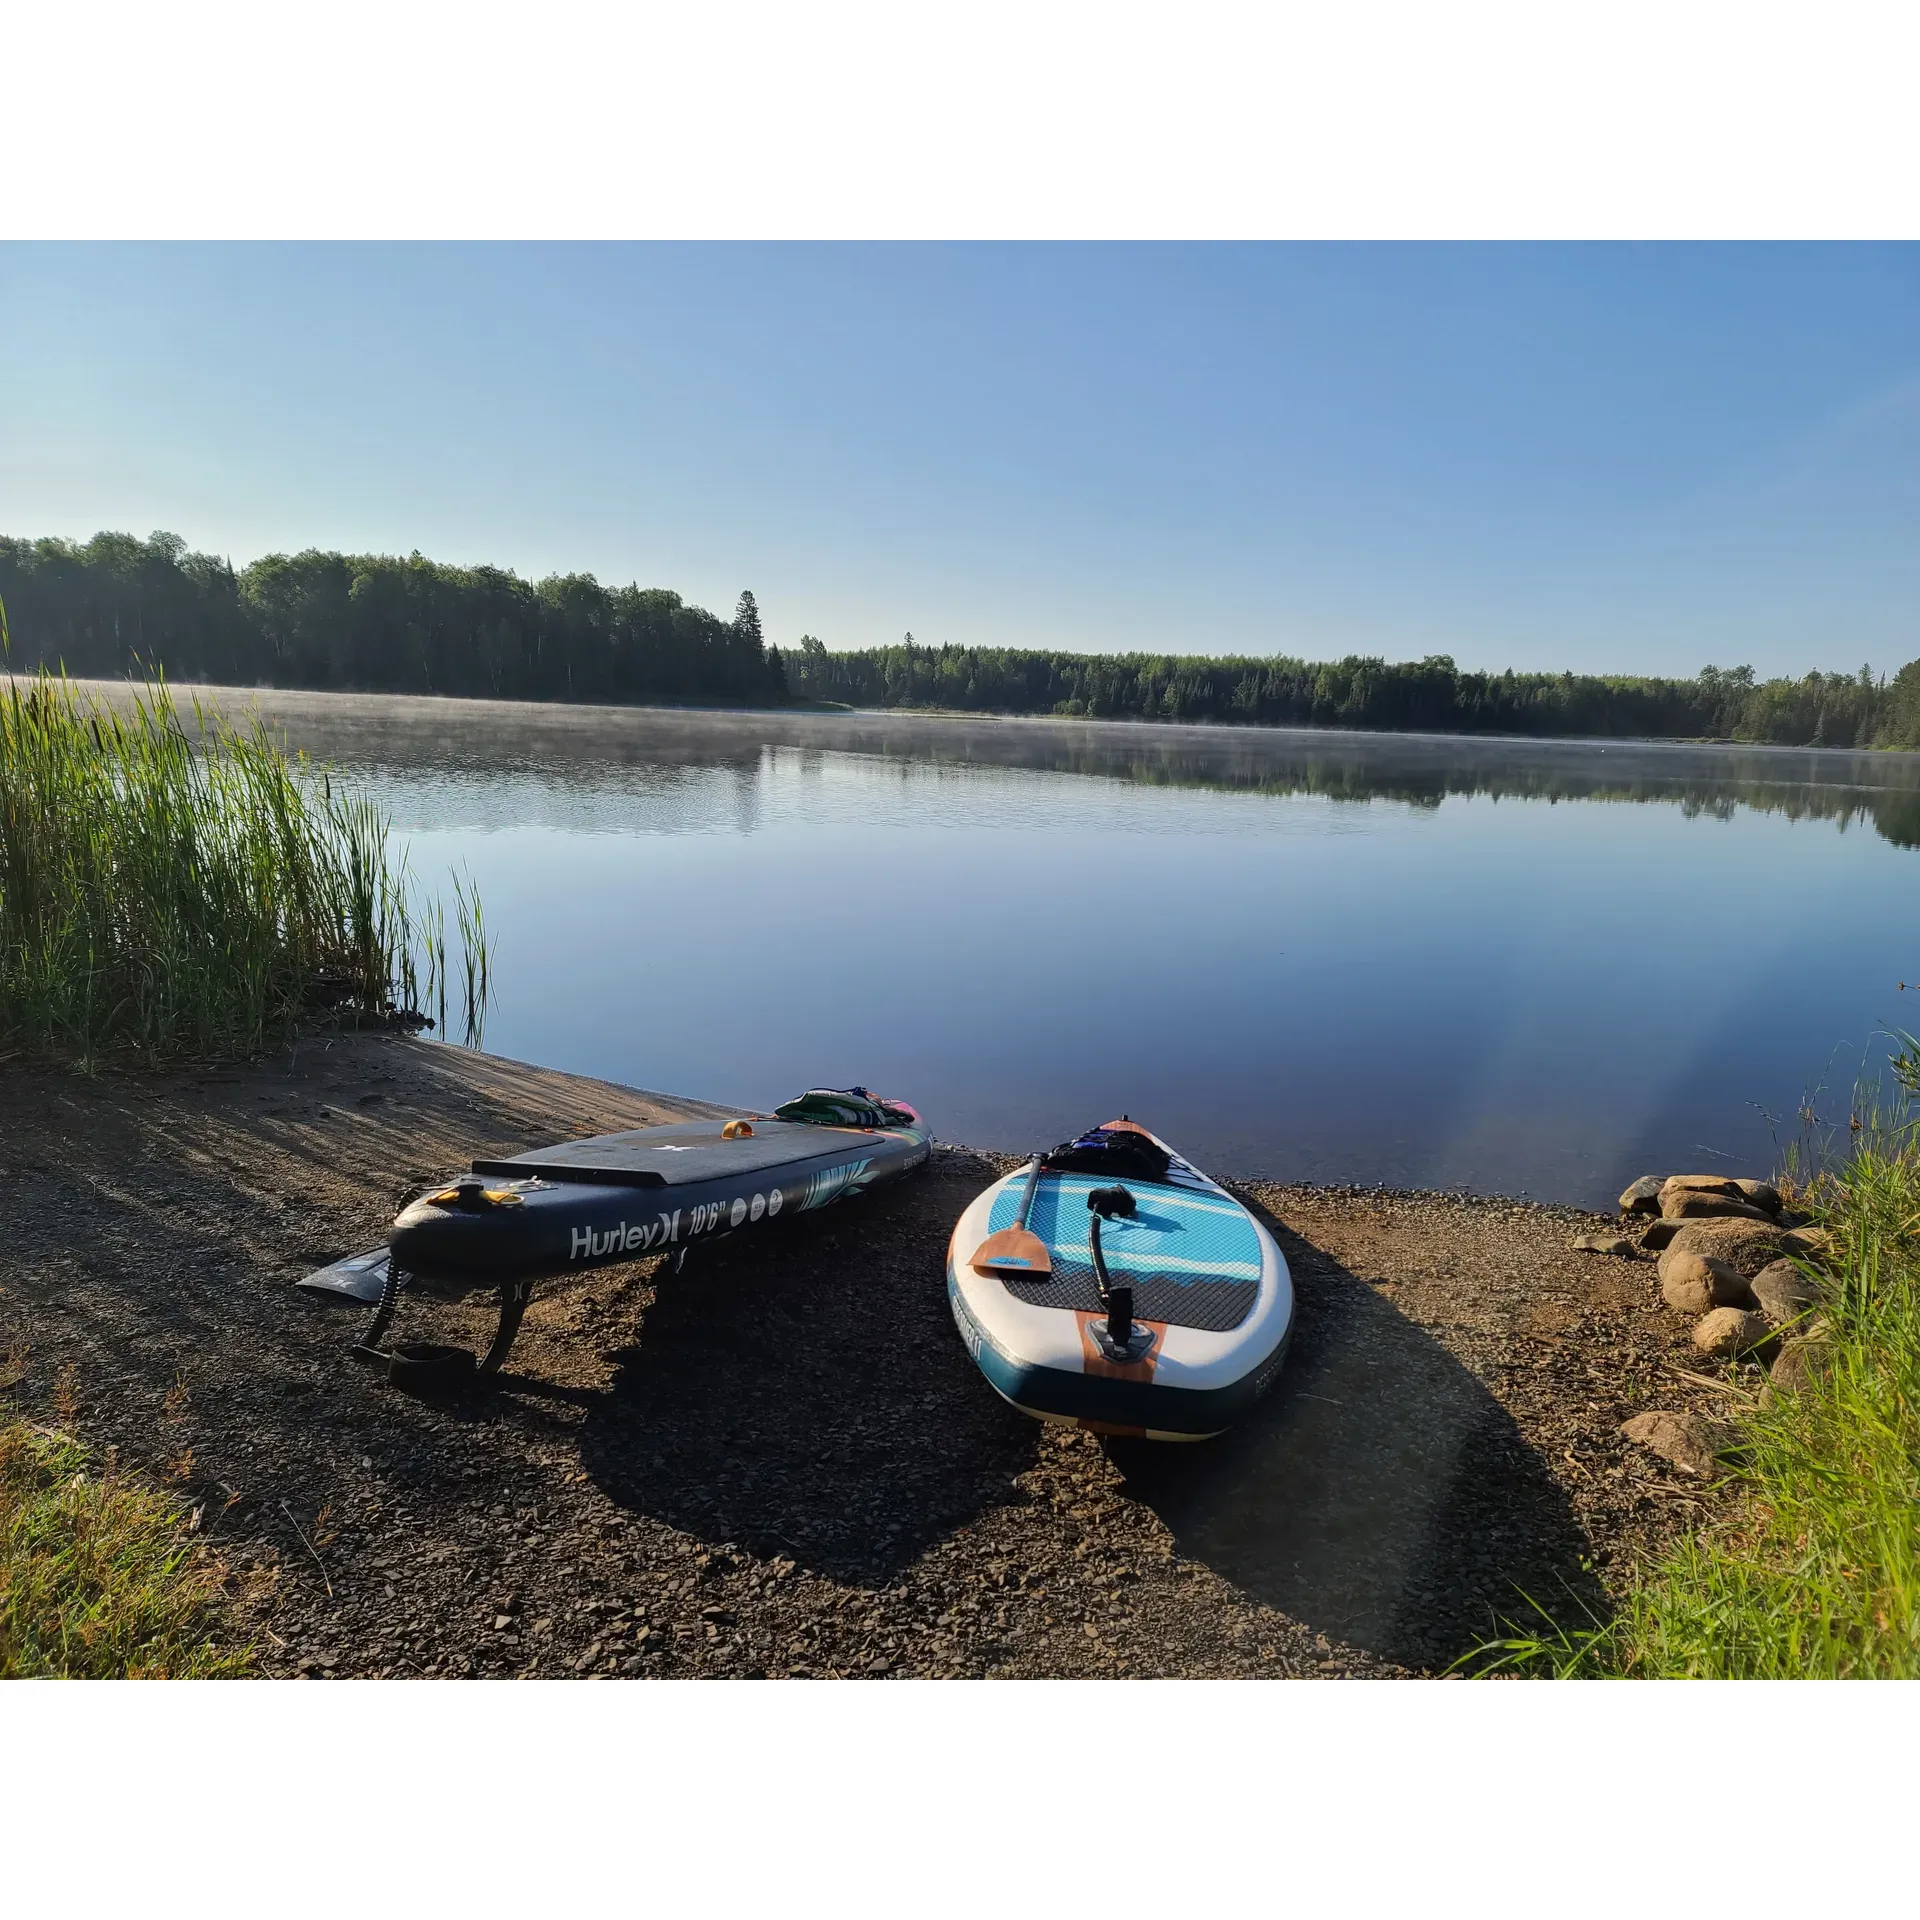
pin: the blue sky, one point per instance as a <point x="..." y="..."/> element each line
<point x="1637" y="458"/>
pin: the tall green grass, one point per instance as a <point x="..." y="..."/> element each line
<point x="1816" y="1573"/>
<point x="185" y="890"/>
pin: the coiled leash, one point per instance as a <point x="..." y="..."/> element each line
<point x="1125" y="1341"/>
<point x="424" y="1366"/>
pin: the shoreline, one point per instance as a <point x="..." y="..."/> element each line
<point x="782" y="1461"/>
<point x="530" y="714"/>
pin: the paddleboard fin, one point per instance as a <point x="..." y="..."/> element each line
<point x="361" y="1277"/>
<point x="424" y="1366"/>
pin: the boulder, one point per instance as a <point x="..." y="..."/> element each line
<point x="1762" y="1194"/>
<point x="1785" y="1292"/>
<point x="1690" y="1203"/>
<point x="1644" y="1195"/>
<point x="1605" y="1243"/>
<point x="1700" y="1183"/>
<point x="1659" y="1233"/>
<point x="1747" y="1245"/>
<point x="1695" y="1283"/>
<point x="1800" y="1361"/>
<point x="1729" y="1332"/>
<point x="1813" y="1243"/>
<point x="1689" y="1442"/>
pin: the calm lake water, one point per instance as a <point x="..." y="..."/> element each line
<point x="1525" y="967"/>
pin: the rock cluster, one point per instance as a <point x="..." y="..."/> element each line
<point x="1746" y="1270"/>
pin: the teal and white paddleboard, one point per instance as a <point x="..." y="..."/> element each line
<point x="1195" y="1287"/>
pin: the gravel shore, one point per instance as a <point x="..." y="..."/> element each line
<point x="781" y="1461"/>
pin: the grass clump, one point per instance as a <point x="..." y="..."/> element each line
<point x="182" y="891"/>
<point x="1816" y="1575"/>
<point x="100" y="1578"/>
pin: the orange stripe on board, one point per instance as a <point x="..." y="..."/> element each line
<point x="1122" y="1126"/>
<point x="1094" y="1362"/>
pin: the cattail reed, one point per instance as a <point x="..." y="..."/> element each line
<point x="172" y="891"/>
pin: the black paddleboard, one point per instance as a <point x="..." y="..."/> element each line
<point x="579" y="1204"/>
<point x="654" y="1189"/>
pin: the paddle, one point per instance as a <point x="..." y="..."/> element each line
<point x="1013" y="1249"/>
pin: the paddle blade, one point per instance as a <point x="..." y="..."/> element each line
<point x="1013" y="1250"/>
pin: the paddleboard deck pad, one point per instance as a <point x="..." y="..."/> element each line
<point x="1210" y="1297"/>
<point x="516" y="1219"/>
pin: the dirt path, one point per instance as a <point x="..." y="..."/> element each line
<point x="782" y="1461"/>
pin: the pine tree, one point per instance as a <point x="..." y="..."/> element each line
<point x="746" y="619"/>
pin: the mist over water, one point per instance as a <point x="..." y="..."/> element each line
<point x="1517" y="966"/>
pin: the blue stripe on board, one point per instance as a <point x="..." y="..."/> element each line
<point x="1119" y="1253"/>
<point x="1079" y="1185"/>
<point x="1172" y="1234"/>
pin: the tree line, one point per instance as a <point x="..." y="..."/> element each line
<point x="375" y="623"/>
<point x="372" y="623"/>
<point x="1431" y="695"/>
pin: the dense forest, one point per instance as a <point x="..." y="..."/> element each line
<point x="372" y="623"/>
<point x="1432" y="695"/>
<point x="378" y="624"/>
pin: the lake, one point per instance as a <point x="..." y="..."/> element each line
<point x="1517" y="966"/>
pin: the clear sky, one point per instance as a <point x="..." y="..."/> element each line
<point x="1631" y="458"/>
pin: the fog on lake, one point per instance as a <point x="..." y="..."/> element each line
<point x="1517" y="966"/>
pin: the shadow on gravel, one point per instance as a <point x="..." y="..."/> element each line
<point x="1380" y="1494"/>
<point x="808" y="1396"/>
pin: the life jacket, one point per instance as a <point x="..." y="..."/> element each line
<point x="846" y="1107"/>
<point x="1117" y="1153"/>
